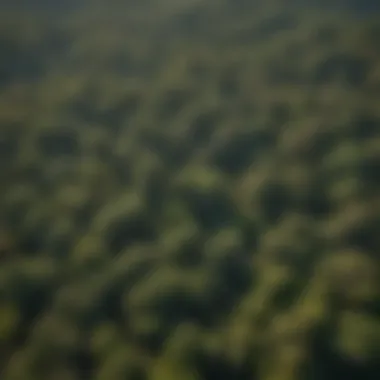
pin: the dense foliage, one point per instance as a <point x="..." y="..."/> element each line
<point x="189" y="190"/>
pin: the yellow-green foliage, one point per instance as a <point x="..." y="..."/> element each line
<point x="189" y="190"/>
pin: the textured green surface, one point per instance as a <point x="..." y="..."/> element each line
<point x="189" y="190"/>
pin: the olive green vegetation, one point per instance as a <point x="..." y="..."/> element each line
<point x="189" y="190"/>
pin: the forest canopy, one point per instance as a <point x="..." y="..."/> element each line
<point x="189" y="190"/>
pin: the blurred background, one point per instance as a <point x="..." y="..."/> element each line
<point x="189" y="189"/>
